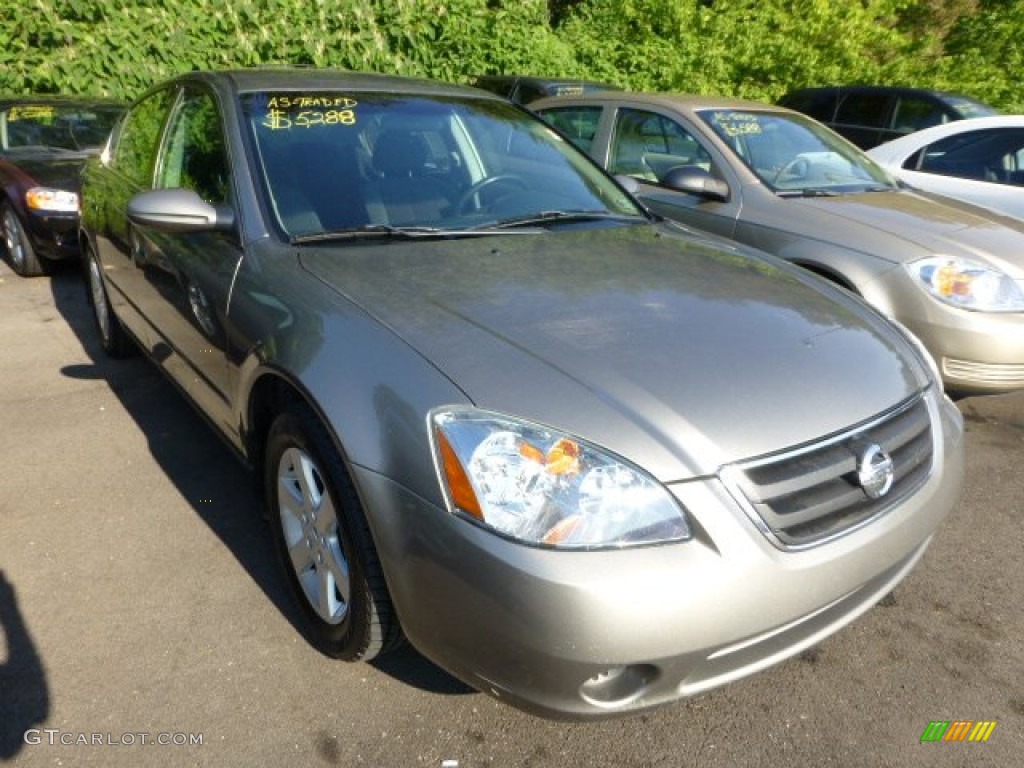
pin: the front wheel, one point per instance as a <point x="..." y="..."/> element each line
<point x="323" y="541"/>
<point x="24" y="259"/>
<point x="113" y="337"/>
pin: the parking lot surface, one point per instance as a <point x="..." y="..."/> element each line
<point x="143" y="621"/>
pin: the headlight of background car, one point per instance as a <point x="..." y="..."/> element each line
<point x="542" y="487"/>
<point x="968" y="284"/>
<point x="56" y="200"/>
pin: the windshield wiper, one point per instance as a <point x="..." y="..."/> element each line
<point x="810" y="192"/>
<point x="547" y="217"/>
<point x="383" y="231"/>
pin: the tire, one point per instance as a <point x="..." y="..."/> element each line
<point x="323" y="542"/>
<point x="23" y="257"/>
<point x="113" y="337"/>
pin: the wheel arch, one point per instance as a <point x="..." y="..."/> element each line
<point x="271" y="394"/>
<point x="832" y="275"/>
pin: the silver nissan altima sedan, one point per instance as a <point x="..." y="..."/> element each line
<point x="586" y="461"/>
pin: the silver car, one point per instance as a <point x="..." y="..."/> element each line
<point x="780" y="181"/>
<point x="587" y="462"/>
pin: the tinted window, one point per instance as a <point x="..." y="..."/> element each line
<point x="989" y="155"/>
<point x="135" y="153"/>
<point x="194" y="157"/>
<point x="821" y="105"/>
<point x="965" y="107"/>
<point x="528" y="92"/>
<point x="864" y="109"/>
<point x="913" y="113"/>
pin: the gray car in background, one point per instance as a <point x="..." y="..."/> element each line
<point x="777" y="180"/>
<point x="587" y="462"/>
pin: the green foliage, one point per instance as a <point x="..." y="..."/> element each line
<point x="984" y="56"/>
<point x="753" y="48"/>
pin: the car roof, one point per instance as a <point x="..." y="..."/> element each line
<point x="947" y="97"/>
<point x="543" y="82"/>
<point x="299" y="78"/>
<point x="904" y="89"/>
<point x="681" y="102"/>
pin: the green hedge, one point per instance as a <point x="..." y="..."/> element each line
<point x="753" y="48"/>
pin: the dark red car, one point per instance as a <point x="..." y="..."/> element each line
<point x="44" y="141"/>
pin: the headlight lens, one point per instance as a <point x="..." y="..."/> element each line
<point x="968" y="284"/>
<point x="542" y="487"/>
<point x="47" y="199"/>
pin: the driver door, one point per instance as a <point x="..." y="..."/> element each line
<point x="646" y="145"/>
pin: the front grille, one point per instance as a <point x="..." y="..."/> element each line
<point x="983" y="373"/>
<point x="809" y="495"/>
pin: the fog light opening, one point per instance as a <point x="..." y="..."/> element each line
<point x="617" y="686"/>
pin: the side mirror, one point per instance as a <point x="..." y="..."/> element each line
<point x="178" y="210"/>
<point x="694" y="180"/>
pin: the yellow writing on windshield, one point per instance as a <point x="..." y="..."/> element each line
<point x="311" y="101"/>
<point x="31" y="112"/>
<point x="737" y="123"/>
<point x="285" y="112"/>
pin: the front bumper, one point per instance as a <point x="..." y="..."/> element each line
<point x="54" y="235"/>
<point x="977" y="352"/>
<point x="598" y="634"/>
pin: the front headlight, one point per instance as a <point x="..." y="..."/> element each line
<point x="968" y="284"/>
<point x="47" y="199"/>
<point x="542" y="487"/>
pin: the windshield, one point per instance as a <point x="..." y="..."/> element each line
<point x="379" y="163"/>
<point x="794" y="154"/>
<point x="76" y="127"/>
<point x="966" y="107"/>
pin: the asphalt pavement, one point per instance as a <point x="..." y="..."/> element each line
<point x="143" y="621"/>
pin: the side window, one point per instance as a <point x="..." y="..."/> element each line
<point x="984" y="155"/>
<point x="863" y="109"/>
<point x="194" y="156"/>
<point x="647" y="145"/>
<point x="579" y="124"/>
<point x="528" y="93"/>
<point x="819" y="104"/>
<point x="913" y="113"/>
<point x="135" y="153"/>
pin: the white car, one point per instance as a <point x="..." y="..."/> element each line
<point x="979" y="160"/>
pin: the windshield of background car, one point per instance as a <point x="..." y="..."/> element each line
<point x="78" y="127"/>
<point x="792" y="153"/>
<point x="334" y="161"/>
<point x="966" y="107"/>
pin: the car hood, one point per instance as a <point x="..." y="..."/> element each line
<point x="52" y="168"/>
<point x="676" y="352"/>
<point x="924" y="224"/>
